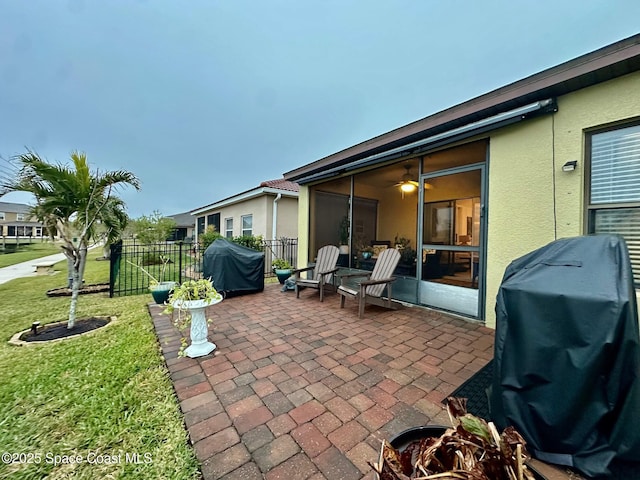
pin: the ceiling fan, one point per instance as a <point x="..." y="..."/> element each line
<point x="406" y="183"/>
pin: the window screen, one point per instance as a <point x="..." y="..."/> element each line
<point x="614" y="188"/>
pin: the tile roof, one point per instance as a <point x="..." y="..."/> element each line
<point x="278" y="184"/>
<point x="281" y="184"/>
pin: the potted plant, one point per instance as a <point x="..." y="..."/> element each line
<point x="190" y="300"/>
<point x="367" y="252"/>
<point x="159" y="288"/>
<point x="282" y="268"/>
<point x="344" y="235"/>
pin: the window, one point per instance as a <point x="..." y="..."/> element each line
<point x="200" y="225"/>
<point x="20" y="217"/>
<point x="213" y="220"/>
<point x="614" y="188"/>
<point x="228" y="227"/>
<point x="2" y="216"/>
<point x="247" y="225"/>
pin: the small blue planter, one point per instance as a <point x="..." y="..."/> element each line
<point x="282" y="275"/>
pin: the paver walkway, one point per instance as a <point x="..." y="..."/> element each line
<point x="300" y="389"/>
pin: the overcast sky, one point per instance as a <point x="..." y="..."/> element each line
<point x="205" y="99"/>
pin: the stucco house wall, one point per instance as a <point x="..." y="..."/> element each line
<point x="304" y="232"/>
<point x="287" y="220"/>
<point x="526" y="208"/>
<point x="259" y="203"/>
<point x="253" y="206"/>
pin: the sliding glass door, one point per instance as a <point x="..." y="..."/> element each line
<point x="452" y="240"/>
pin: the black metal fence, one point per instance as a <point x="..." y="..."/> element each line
<point x="134" y="266"/>
<point x="285" y="248"/>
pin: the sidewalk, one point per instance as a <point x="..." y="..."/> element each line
<point x="26" y="269"/>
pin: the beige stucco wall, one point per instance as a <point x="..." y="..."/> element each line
<point x="261" y="208"/>
<point x="254" y="206"/>
<point x="523" y="161"/>
<point x="287" y="221"/>
<point x="303" y="225"/>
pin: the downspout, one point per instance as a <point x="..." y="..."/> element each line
<point x="274" y="225"/>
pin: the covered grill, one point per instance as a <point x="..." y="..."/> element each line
<point x="234" y="269"/>
<point x="567" y="353"/>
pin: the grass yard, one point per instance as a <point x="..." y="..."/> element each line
<point x="29" y="252"/>
<point x="105" y="396"/>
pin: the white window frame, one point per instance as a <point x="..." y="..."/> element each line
<point x="2" y="216"/>
<point x="19" y="217"/>
<point x="616" y="203"/>
<point x="246" y="231"/>
<point x="228" y="227"/>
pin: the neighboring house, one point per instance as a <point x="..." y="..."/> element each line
<point x="16" y="221"/>
<point x="270" y="210"/>
<point x="479" y="184"/>
<point x="185" y="227"/>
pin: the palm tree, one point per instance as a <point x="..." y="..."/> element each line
<point x="71" y="202"/>
<point x="114" y="220"/>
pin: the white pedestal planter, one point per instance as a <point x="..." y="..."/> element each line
<point x="200" y="346"/>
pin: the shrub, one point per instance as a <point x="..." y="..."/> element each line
<point x="250" y="241"/>
<point x="208" y="237"/>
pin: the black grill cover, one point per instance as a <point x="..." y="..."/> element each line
<point x="234" y="269"/>
<point x="567" y="355"/>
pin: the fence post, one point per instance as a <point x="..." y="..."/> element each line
<point x="114" y="263"/>
<point x="180" y="263"/>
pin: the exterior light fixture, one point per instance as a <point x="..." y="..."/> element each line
<point x="570" y="166"/>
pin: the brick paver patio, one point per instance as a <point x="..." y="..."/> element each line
<point x="300" y="389"/>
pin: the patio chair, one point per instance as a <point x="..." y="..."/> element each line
<point x="322" y="272"/>
<point x="370" y="291"/>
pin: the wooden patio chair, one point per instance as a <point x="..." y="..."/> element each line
<point x="370" y="291"/>
<point x="322" y="272"/>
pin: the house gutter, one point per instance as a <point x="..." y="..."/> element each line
<point x="274" y="225"/>
<point x="434" y="141"/>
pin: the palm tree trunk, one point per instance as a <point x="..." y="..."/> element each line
<point x="73" y="264"/>
<point x="83" y="263"/>
<point x="70" y="272"/>
<point x="75" y="290"/>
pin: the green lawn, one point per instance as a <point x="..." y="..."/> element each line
<point x="102" y="396"/>
<point x="28" y="252"/>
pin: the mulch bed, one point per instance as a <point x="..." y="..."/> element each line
<point x="60" y="330"/>
<point x="66" y="292"/>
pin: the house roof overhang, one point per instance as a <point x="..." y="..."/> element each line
<point x="607" y="63"/>
<point x="9" y="207"/>
<point x="241" y="197"/>
<point x="21" y="224"/>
